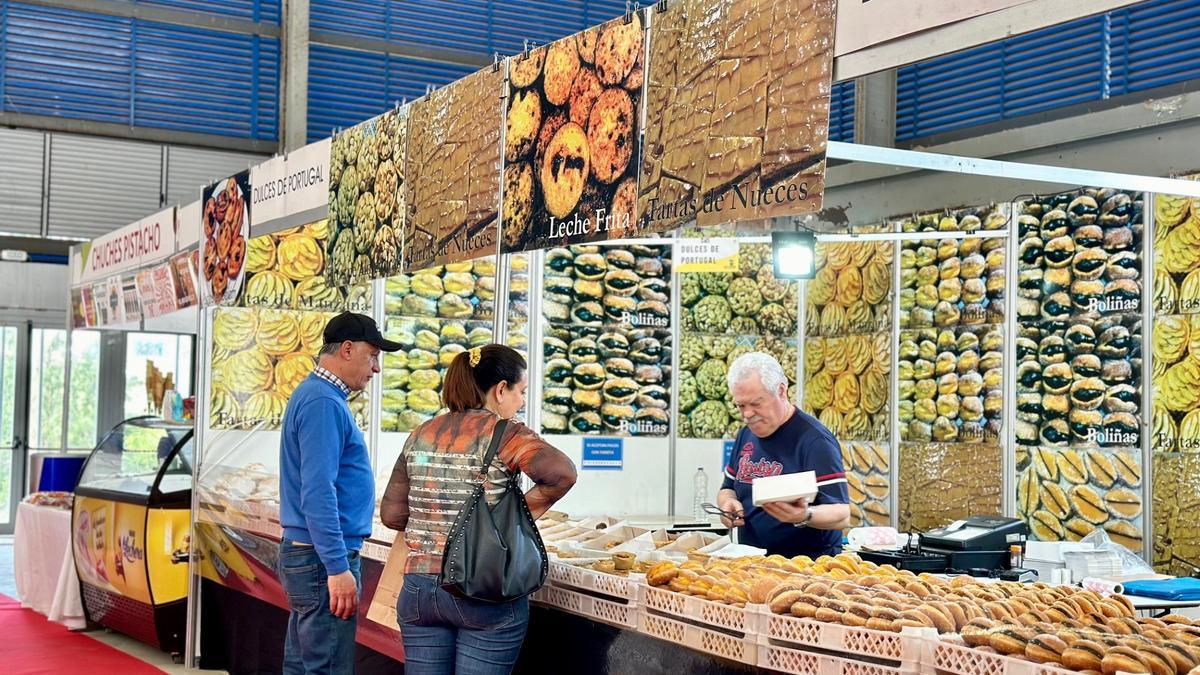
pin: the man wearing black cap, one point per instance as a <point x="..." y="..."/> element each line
<point x="327" y="498"/>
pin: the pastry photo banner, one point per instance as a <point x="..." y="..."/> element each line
<point x="453" y="170"/>
<point x="572" y="124"/>
<point x="225" y="226"/>
<point x="737" y="103"/>
<point x="366" y="205"/>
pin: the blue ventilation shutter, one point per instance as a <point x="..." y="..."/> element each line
<point x="540" y="21"/>
<point x="65" y="63"/>
<point x="252" y="10"/>
<point x="347" y="86"/>
<point x="1049" y="68"/>
<point x="477" y="26"/>
<point x="204" y="81"/>
<point x="1154" y="44"/>
<point x="365" y="18"/>
<point x="447" y="24"/>
<point x="841" y="112"/>
<point x="407" y="78"/>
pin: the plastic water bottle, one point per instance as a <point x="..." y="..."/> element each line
<point x="701" y="484"/>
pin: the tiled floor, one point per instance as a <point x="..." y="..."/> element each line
<point x="124" y="643"/>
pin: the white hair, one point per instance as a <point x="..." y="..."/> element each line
<point x="769" y="372"/>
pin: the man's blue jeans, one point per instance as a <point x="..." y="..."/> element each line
<point x="444" y="634"/>
<point x="317" y="641"/>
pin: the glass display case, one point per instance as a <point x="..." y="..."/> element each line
<point x="130" y="525"/>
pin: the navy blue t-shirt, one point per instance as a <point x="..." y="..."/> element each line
<point x="801" y="444"/>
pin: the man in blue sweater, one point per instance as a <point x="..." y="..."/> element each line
<point x="327" y="499"/>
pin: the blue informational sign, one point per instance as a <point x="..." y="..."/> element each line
<point x="728" y="452"/>
<point x="603" y="454"/>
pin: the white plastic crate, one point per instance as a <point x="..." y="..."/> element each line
<point x="568" y="576"/>
<point x="716" y="643"/>
<point x="691" y="608"/>
<point x="606" y="611"/>
<point x="902" y="650"/>
<point x="780" y="658"/>
<point x="955" y="659"/>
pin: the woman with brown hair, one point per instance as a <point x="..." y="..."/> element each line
<point x="441" y="632"/>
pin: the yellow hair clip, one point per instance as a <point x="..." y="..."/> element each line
<point x="476" y="353"/>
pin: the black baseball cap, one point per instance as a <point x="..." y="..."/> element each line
<point x="357" y="328"/>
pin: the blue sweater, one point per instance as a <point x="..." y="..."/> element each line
<point x="326" y="487"/>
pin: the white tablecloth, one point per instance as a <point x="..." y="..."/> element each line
<point x="44" y="566"/>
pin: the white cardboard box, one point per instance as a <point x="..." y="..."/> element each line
<point x="787" y="487"/>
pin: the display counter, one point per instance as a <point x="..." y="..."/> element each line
<point x="130" y="531"/>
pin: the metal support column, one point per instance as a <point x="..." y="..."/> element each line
<point x="875" y="109"/>
<point x="293" y="92"/>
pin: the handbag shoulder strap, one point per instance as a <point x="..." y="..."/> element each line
<point x="494" y="448"/>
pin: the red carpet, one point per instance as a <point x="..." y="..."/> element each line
<point x="31" y="644"/>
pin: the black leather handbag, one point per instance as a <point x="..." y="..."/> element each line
<point x="494" y="554"/>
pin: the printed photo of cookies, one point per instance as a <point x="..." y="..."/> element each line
<point x="852" y="290"/>
<point x="951" y="384"/>
<point x="737" y="98"/>
<point x="366" y="199"/>
<point x="412" y="377"/>
<point x="462" y="290"/>
<point x="1079" y="255"/>
<point x="1065" y="494"/>
<point x="750" y="301"/>
<point x="944" y="482"/>
<point x="453" y="165"/>
<point x="259" y="357"/>
<point x="225" y="223"/>
<point x="572" y="129"/>
<point x="1079" y="383"/>
<point x="953" y="282"/>
<point x="705" y="405"/>
<point x="1175" y="417"/>
<point x="287" y="270"/>
<point x="606" y="380"/>
<point x="600" y="285"/>
<point x="847" y="384"/>
<point x="1177" y="254"/>
<point x="976" y="219"/>
<point x="868" y="474"/>
<point x="1176" y="502"/>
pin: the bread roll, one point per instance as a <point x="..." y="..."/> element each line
<point x="1123" y="660"/>
<point x="1083" y="655"/>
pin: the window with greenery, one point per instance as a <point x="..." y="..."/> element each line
<point x="47" y="370"/>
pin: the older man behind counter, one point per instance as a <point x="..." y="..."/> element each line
<point x="778" y="439"/>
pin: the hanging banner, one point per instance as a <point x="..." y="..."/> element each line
<point x="146" y="293"/>
<point x="184" y="277"/>
<point x="572" y="124"/>
<point x="366" y="211"/>
<point x="145" y="241"/>
<point x="129" y="296"/>
<point x="164" y="288"/>
<point x="89" y="306"/>
<point x="737" y="105"/>
<point x="78" y="315"/>
<point x="225" y="220"/>
<point x="290" y="190"/>
<point x="454" y="172"/>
